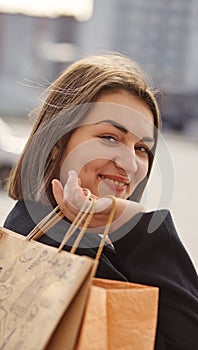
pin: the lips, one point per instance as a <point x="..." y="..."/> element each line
<point x="115" y="182"/>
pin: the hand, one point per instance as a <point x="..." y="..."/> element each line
<point x="72" y="197"/>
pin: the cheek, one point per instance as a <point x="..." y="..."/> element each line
<point x="93" y="167"/>
<point x="146" y="167"/>
<point x="140" y="175"/>
<point x="143" y="167"/>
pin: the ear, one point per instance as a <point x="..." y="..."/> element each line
<point x="54" y="153"/>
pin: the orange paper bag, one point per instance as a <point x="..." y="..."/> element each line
<point x="119" y="315"/>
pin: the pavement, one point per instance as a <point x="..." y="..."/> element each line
<point x="173" y="185"/>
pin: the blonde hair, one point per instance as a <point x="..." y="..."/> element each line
<point x="79" y="85"/>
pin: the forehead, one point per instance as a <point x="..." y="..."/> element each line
<point x="130" y="119"/>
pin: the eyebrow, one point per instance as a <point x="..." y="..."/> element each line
<point x="123" y="129"/>
<point x="117" y="125"/>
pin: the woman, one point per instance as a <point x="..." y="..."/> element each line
<point x="98" y="129"/>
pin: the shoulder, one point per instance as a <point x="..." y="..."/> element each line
<point x="24" y="216"/>
<point x="151" y="240"/>
<point x="17" y="217"/>
<point x="155" y="230"/>
<point x="146" y="224"/>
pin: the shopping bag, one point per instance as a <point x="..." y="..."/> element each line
<point x="119" y="315"/>
<point x="42" y="294"/>
<point x="43" y="290"/>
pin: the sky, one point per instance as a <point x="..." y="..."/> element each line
<point x="81" y="9"/>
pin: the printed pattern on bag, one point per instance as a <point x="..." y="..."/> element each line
<point x="35" y="283"/>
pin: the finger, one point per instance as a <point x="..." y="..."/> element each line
<point x="71" y="185"/>
<point x="57" y="189"/>
<point x="73" y="177"/>
<point x="74" y="184"/>
<point x="102" y="204"/>
<point x="73" y="193"/>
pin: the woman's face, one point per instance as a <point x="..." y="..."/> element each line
<point x="110" y="150"/>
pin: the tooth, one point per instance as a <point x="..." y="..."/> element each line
<point x="115" y="182"/>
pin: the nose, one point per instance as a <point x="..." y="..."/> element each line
<point x="126" y="159"/>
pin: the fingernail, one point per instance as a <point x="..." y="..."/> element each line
<point x="53" y="183"/>
<point x="72" y="173"/>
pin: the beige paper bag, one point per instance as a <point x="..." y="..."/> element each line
<point x="42" y="294"/>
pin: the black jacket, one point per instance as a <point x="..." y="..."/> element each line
<point x="142" y="254"/>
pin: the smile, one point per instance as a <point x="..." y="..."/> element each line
<point x="118" y="183"/>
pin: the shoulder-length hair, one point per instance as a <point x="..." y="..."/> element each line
<point x="79" y="85"/>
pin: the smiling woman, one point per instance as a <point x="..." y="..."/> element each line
<point x="96" y="134"/>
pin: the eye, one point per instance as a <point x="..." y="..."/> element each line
<point x="109" y="138"/>
<point x="143" y="149"/>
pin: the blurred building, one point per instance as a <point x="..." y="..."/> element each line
<point x="162" y="36"/>
<point x="32" y="50"/>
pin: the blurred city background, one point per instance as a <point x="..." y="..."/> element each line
<point x="39" y="40"/>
